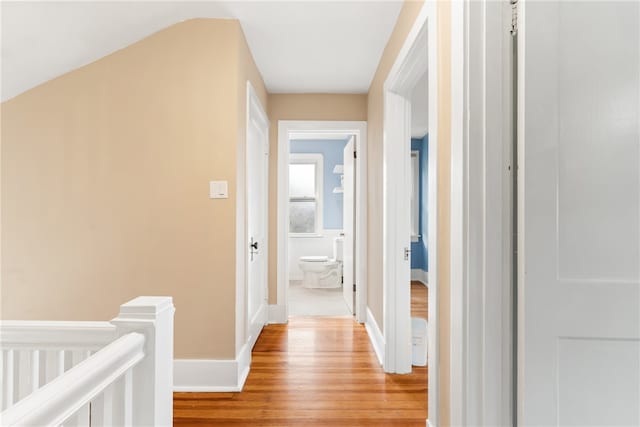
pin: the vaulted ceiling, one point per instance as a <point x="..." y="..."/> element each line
<point x="299" y="46"/>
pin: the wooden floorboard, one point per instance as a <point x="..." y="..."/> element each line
<point x="419" y="300"/>
<point x="315" y="371"/>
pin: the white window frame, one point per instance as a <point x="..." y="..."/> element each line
<point x="318" y="160"/>
<point x="415" y="196"/>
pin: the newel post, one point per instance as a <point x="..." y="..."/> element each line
<point x="153" y="376"/>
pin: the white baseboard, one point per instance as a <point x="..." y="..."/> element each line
<point x="255" y="328"/>
<point x="420" y="276"/>
<point x="429" y="424"/>
<point x="375" y="336"/>
<point x="244" y="364"/>
<point x="277" y="314"/>
<point x="209" y="375"/>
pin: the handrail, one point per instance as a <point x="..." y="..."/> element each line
<point x="61" y="398"/>
<point x="43" y="335"/>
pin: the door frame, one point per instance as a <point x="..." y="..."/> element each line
<point x="245" y="339"/>
<point x="410" y="64"/>
<point x="480" y="389"/>
<point x="481" y="279"/>
<point x="336" y="129"/>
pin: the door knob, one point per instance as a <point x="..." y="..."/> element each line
<point x="253" y="245"/>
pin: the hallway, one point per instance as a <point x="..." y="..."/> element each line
<point x="315" y="371"/>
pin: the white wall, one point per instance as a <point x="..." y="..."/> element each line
<point x="305" y="246"/>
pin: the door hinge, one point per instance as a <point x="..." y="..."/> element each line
<point x="514" y="17"/>
<point x="407" y="253"/>
<point x="354" y="287"/>
<point x="355" y="155"/>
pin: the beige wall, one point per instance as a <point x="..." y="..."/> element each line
<point x="105" y="176"/>
<point x="408" y="14"/>
<point x="300" y="107"/>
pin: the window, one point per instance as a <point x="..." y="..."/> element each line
<point x="305" y="194"/>
<point x="415" y="196"/>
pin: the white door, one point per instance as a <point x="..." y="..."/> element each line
<point x="257" y="208"/>
<point x="348" y="224"/>
<point x="579" y="222"/>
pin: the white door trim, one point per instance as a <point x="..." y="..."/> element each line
<point x="255" y="113"/>
<point x="481" y="214"/>
<point x="332" y="128"/>
<point x="412" y="61"/>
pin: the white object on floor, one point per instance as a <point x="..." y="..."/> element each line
<point x="418" y="341"/>
<point x="316" y="302"/>
<point x="322" y="271"/>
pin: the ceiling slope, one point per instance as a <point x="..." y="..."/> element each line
<point x="299" y="46"/>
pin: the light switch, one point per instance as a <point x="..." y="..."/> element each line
<point x="218" y="190"/>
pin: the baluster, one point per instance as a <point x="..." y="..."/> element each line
<point x="54" y="364"/>
<point x="7" y="384"/>
<point x="59" y="362"/>
<point x="23" y="372"/>
<point x="102" y="408"/>
<point x="127" y="396"/>
<point x="42" y="368"/>
<point x="51" y="369"/>
<point x="35" y="370"/>
<point x="123" y="400"/>
<point x="108" y="406"/>
<point x="77" y="356"/>
<point x="97" y="411"/>
<point x="7" y="379"/>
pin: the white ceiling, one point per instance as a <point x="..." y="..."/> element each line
<point x="299" y="46"/>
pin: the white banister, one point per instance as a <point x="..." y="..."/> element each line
<point x="90" y="373"/>
<point x="55" y="402"/>
<point x="35" y="370"/>
<point x="55" y="335"/>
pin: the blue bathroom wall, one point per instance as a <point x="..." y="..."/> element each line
<point x="332" y="152"/>
<point x="419" y="250"/>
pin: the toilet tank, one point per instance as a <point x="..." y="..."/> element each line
<point x="338" y="246"/>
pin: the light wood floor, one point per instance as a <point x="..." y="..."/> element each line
<point x="419" y="300"/>
<point x="315" y="371"/>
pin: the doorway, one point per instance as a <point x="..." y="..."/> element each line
<point x="321" y="218"/>
<point x="417" y="58"/>
<point x="321" y="210"/>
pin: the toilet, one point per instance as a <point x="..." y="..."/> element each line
<point x="322" y="271"/>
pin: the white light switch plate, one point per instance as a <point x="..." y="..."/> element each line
<point x="218" y="190"/>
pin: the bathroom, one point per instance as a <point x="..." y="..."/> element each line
<point x="316" y="212"/>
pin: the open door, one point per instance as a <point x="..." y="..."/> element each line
<point x="348" y="225"/>
<point x="579" y="213"/>
<point x="257" y="208"/>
